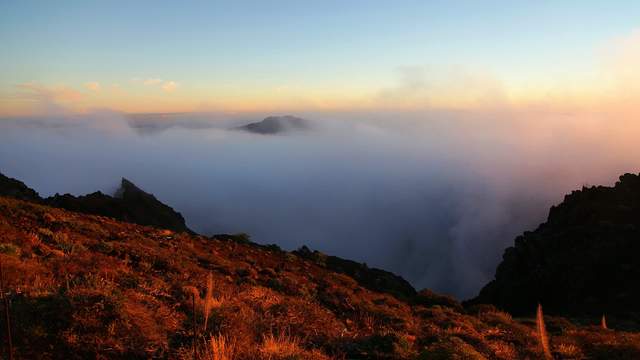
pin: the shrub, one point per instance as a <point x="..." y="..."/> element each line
<point x="45" y="234"/>
<point x="9" y="249"/>
<point x="64" y="243"/>
<point x="103" y="247"/>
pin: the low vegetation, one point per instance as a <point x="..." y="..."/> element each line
<point x="83" y="286"/>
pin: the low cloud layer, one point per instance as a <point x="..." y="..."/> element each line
<point x="435" y="196"/>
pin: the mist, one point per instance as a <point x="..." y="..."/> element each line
<point x="434" y="196"/>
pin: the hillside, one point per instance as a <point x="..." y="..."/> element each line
<point x="582" y="261"/>
<point x="85" y="286"/>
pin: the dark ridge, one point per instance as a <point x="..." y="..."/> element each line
<point x="276" y="124"/>
<point x="17" y="189"/>
<point x="370" y="278"/>
<point x="583" y="260"/>
<point x="129" y="204"/>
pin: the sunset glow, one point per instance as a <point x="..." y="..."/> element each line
<point x="331" y="56"/>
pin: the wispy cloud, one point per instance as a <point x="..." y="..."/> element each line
<point x="93" y="86"/>
<point x="152" y="81"/>
<point x="165" y="85"/>
<point x="47" y="99"/>
<point x="169" y="86"/>
<point x="35" y="91"/>
<point x="452" y="86"/>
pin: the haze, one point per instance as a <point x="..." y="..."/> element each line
<point x="434" y="196"/>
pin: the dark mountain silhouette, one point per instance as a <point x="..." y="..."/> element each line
<point x="129" y="204"/>
<point x="585" y="259"/>
<point x="276" y="124"/>
<point x="17" y="189"/>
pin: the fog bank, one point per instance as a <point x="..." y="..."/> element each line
<point x="434" y="196"/>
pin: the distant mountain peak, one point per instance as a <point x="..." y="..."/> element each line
<point x="276" y="124"/>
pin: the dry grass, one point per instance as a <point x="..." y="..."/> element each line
<point x="220" y="348"/>
<point x="568" y="351"/>
<point x="279" y="347"/>
<point x="261" y="296"/>
<point x="208" y="299"/>
<point x="504" y="350"/>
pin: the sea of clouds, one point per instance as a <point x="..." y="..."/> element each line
<point x="435" y="196"/>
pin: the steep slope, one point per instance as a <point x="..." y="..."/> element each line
<point x="583" y="260"/>
<point x="84" y="286"/>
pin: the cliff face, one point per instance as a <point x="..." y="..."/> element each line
<point x="585" y="259"/>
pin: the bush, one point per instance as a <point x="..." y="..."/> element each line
<point x="9" y="249"/>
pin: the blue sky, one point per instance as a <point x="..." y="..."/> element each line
<point x="229" y="48"/>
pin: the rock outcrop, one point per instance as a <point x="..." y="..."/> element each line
<point x="129" y="204"/>
<point x="583" y="260"/>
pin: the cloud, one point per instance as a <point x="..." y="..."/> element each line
<point x="35" y="91"/>
<point x="454" y="86"/>
<point x="169" y="86"/>
<point x="435" y="196"/>
<point x="93" y="86"/>
<point x="165" y="85"/>
<point x="47" y="99"/>
<point x="152" y="81"/>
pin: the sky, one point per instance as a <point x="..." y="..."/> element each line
<point x="157" y="56"/>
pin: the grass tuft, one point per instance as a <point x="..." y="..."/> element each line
<point x="281" y="346"/>
<point x="208" y="300"/>
<point x="542" y="333"/>
<point x="220" y="348"/>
